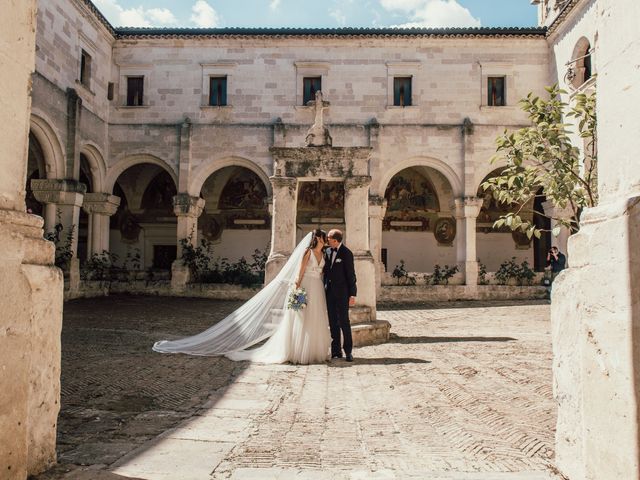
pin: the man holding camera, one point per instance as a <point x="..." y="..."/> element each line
<point x="557" y="261"/>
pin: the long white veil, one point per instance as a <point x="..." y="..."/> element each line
<point x="251" y="323"/>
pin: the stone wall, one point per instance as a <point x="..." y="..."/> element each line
<point x="596" y="305"/>
<point x="30" y="287"/>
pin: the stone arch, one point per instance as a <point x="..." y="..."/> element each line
<point x="205" y="171"/>
<point x="114" y="172"/>
<point x="583" y="62"/>
<point x="438" y="165"/>
<point x="487" y="170"/>
<point x="51" y="147"/>
<point x="96" y="164"/>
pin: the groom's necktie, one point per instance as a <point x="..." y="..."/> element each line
<point x="334" y="252"/>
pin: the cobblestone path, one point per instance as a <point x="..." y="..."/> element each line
<point x="462" y="391"/>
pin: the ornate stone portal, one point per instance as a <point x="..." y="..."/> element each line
<point x="321" y="161"/>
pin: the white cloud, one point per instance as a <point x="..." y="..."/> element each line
<point x="338" y="15"/>
<point x="162" y="16"/>
<point x="204" y="15"/>
<point x="274" y="4"/>
<point x="432" y="13"/>
<point x="136" y="16"/>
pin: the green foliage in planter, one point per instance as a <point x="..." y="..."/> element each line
<point x="482" y="274"/>
<point x="401" y="275"/>
<point x="100" y="266"/>
<point x="205" y="268"/>
<point x="509" y="269"/>
<point x="64" y="252"/>
<point x="441" y="276"/>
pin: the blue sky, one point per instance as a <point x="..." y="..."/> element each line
<point x="322" y="13"/>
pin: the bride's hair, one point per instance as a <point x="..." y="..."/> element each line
<point x="317" y="233"/>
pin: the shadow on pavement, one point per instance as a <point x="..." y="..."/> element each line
<point x="397" y="339"/>
<point x="374" y="361"/>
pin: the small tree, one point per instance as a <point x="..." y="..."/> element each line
<point x="541" y="158"/>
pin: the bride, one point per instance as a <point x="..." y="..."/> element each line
<point x="296" y="336"/>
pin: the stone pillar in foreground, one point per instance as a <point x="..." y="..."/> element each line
<point x="377" y="211"/>
<point x="356" y="213"/>
<point x="283" y="224"/>
<point x="187" y="208"/>
<point x="467" y="211"/>
<point x="99" y="207"/>
<point x="31" y="288"/>
<point x="595" y="303"/>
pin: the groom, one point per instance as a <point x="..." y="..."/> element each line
<point x="340" y="287"/>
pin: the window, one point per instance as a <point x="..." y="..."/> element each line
<point x="496" y="94"/>
<point x="218" y="91"/>
<point x="135" y="91"/>
<point x="110" y="91"/>
<point x="310" y="85"/>
<point x="85" y="68"/>
<point x="402" y="91"/>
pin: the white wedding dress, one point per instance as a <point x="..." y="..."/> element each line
<point x="303" y="336"/>
<point x="298" y="337"/>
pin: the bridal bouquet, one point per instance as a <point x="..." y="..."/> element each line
<point x="297" y="299"/>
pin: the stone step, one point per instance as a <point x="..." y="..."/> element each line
<point x="370" y="333"/>
<point x="359" y="314"/>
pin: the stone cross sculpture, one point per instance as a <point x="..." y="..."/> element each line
<point x="318" y="134"/>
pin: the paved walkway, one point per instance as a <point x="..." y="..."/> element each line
<point x="463" y="391"/>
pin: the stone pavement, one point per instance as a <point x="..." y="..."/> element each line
<point x="462" y="391"/>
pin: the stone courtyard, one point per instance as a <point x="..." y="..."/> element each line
<point x="462" y="391"/>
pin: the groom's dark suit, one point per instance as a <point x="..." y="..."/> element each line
<point x="340" y="284"/>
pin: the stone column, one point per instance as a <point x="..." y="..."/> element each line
<point x="31" y="288"/>
<point x="283" y="223"/>
<point x="99" y="207"/>
<point x="187" y="209"/>
<point x="467" y="211"/>
<point x="377" y="211"/>
<point x="356" y="213"/>
<point x="551" y="211"/>
<point x="67" y="196"/>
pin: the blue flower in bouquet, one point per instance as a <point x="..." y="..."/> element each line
<point x="297" y="299"/>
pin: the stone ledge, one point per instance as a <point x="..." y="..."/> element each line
<point x="372" y="333"/>
<point x="445" y="293"/>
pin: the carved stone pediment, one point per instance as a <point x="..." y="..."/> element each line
<point x="321" y="162"/>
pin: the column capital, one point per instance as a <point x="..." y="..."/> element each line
<point x="357" y="181"/>
<point x="467" y="207"/>
<point x="283" y="182"/>
<point x="377" y="206"/>
<point x="100" y="203"/>
<point x="58" y="191"/>
<point x="185" y="205"/>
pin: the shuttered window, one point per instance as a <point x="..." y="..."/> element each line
<point x="402" y="91"/>
<point x="310" y="86"/>
<point x="218" y="91"/>
<point x="135" y="91"/>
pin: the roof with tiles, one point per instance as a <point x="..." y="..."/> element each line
<point x="129" y="32"/>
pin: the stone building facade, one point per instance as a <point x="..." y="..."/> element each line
<point x="142" y="137"/>
<point x="143" y="176"/>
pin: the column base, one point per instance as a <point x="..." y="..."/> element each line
<point x="471" y="273"/>
<point x="180" y="276"/>
<point x="366" y="279"/>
